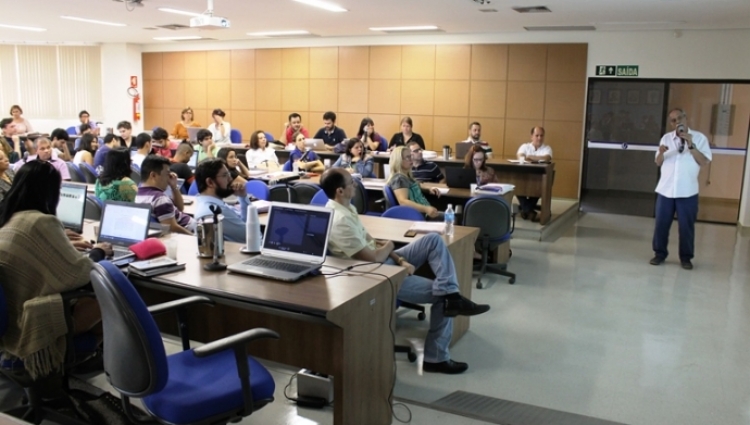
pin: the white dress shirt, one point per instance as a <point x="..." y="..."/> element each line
<point x="217" y="134"/>
<point x="261" y="158"/>
<point x="679" y="171"/>
<point x="528" y="149"/>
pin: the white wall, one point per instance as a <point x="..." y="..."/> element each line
<point x="119" y="62"/>
<point x="659" y="54"/>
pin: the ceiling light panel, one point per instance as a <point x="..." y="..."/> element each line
<point x="19" y="27"/>
<point x="93" y="21"/>
<point x="278" y="33"/>
<point x="179" y="12"/>
<point x="410" y="28"/>
<point x="331" y="7"/>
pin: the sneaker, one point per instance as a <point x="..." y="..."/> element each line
<point x="463" y="307"/>
<point x="656" y="261"/>
<point x="448" y="367"/>
<point x="687" y="265"/>
<point x="525" y="215"/>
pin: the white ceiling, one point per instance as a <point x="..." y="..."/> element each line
<point x="452" y="16"/>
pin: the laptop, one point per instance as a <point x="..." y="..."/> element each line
<point x="315" y="144"/>
<point x="294" y="244"/>
<point x="459" y="177"/>
<point x="193" y="133"/>
<point x="124" y="224"/>
<point x="71" y="209"/>
<point x="193" y="162"/>
<point x="462" y="148"/>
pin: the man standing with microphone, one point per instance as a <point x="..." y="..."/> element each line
<point x="681" y="154"/>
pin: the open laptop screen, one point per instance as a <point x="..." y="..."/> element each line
<point x="72" y="206"/>
<point x="124" y="223"/>
<point x="193" y="160"/>
<point x="297" y="230"/>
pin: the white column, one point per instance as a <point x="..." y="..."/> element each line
<point x="120" y="61"/>
<point x="744" y="220"/>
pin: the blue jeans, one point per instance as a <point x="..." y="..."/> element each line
<point x="687" y="213"/>
<point x="420" y="290"/>
<point x="527" y="203"/>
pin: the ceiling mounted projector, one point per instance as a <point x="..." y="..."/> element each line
<point x="208" y="22"/>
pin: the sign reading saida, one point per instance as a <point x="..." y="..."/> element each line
<point x="617" y="70"/>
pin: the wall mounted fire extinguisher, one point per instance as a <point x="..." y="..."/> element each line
<point x="133" y="93"/>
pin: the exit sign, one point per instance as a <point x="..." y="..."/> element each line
<point x="617" y="70"/>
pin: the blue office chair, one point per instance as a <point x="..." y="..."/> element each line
<point x="72" y="131"/>
<point x="93" y="208"/>
<point x="216" y="383"/>
<point x="403" y="213"/>
<point x="320" y="198"/>
<point x="287" y="166"/>
<point x="89" y="172"/>
<point x="193" y="188"/>
<point x="135" y="174"/>
<point x="492" y="232"/>
<point x="269" y="136"/>
<point x="77" y="144"/>
<point x="383" y="144"/>
<point x="235" y="136"/>
<point x="258" y="189"/>
<point x="390" y="197"/>
<point x="76" y="174"/>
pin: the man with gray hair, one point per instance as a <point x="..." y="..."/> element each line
<point x="682" y="152"/>
<point x="42" y="151"/>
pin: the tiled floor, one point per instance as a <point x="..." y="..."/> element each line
<point x="591" y="328"/>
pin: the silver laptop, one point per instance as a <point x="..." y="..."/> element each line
<point x="193" y="133"/>
<point x="71" y="208"/>
<point x="315" y="144"/>
<point x="294" y="244"/>
<point x="124" y="224"/>
<point x="462" y="148"/>
<point x="193" y="162"/>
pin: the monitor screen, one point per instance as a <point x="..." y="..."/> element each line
<point x="297" y="230"/>
<point x="72" y="205"/>
<point x="124" y="223"/>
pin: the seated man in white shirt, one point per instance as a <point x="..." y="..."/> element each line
<point x="533" y="151"/>
<point x="349" y="239"/>
<point x="214" y="184"/>
<point x="143" y="144"/>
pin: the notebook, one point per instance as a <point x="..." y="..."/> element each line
<point x="72" y="206"/>
<point x="461" y="178"/>
<point x="124" y="224"/>
<point x="294" y="244"/>
<point x="193" y="133"/>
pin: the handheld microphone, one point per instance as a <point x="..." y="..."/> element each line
<point x="680" y="130"/>
<point x="303" y="158"/>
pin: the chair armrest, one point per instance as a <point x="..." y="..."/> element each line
<point x="235" y="340"/>
<point x="76" y="294"/>
<point x="182" y="302"/>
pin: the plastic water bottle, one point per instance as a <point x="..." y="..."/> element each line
<point x="450" y="218"/>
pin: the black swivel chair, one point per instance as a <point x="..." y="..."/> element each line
<point x="305" y="192"/>
<point x="93" y="208"/>
<point x="492" y="232"/>
<point x="282" y="193"/>
<point x="75" y="173"/>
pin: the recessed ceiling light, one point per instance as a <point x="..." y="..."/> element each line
<point x="278" y="33"/>
<point x="186" y="37"/>
<point x="179" y="12"/>
<point x="323" y="5"/>
<point x="93" y="21"/>
<point x="413" y="28"/>
<point x="17" y="27"/>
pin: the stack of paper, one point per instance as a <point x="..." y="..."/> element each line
<point x="428" y="227"/>
<point x="495" y="188"/>
<point x="262" y="206"/>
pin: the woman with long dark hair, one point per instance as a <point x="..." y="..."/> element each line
<point x="86" y="149"/>
<point x="355" y="160"/>
<point x="369" y="137"/>
<point x="37" y="263"/>
<point x="234" y="165"/>
<point x="114" y="183"/>
<point x="476" y="159"/>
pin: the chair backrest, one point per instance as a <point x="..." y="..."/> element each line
<point x="71" y="131"/>
<point x="134" y="356"/>
<point x="89" y="172"/>
<point x="383" y="143"/>
<point x="269" y="136"/>
<point x="93" y="208"/>
<point x="258" y="189"/>
<point x="479" y="208"/>
<point x="287" y="166"/>
<point x="76" y="174"/>
<point x="360" y="197"/>
<point x="306" y="192"/>
<point x="390" y="197"/>
<point x="193" y="188"/>
<point x="278" y="193"/>
<point x="135" y="174"/>
<point x="235" y="136"/>
<point x="319" y="199"/>
<point x="403" y="213"/>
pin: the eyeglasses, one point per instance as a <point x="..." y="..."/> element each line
<point x="223" y="175"/>
<point x="416" y="150"/>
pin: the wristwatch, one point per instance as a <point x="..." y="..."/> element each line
<point x="691" y="146"/>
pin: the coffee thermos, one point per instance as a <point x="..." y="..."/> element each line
<point x="209" y="231"/>
<point x="446" y="152"/>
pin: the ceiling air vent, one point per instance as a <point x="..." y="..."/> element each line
<point x="488" y="10"/>
<point x="531" y="9"/>
<point x="151" y="28"/>
<point x="173" y="27"/>
<point x="563" y="28"/>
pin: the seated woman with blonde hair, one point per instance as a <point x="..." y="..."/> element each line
<point x="406" y="189"/>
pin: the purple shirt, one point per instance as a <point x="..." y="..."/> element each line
<point x="56" y="162"/>
<point x="101" y="155"/>
<point x="162" y="207"/>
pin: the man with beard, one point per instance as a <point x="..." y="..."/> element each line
<point x="214" y="184"/>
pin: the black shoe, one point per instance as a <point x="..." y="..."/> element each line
<point x="656" y="261"/>
<point x="448" y="367"/>
<point x="463" y="307"/>
<point x="687" y="265"/>
<point x="525" y="215"/>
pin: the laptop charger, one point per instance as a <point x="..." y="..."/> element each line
<point x="314" y="389"/>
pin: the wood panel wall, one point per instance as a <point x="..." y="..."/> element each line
<point x="508" y="88"/>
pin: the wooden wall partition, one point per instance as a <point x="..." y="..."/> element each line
<point x="508" y="88"/>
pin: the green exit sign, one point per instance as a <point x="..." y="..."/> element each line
<point x="617" y="70"/>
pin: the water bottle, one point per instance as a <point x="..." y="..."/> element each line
<point x="450" y="218"/>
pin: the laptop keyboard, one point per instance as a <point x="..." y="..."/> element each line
<point x="276" y="265"/>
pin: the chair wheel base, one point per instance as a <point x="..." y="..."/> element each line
<point x="421" y="316"/>
<point x="512" y="280"/>
<point x="412" y="357"/>
<point x="480" y="285"/>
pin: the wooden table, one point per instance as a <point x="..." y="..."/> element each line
<point x="333" y="325"/>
